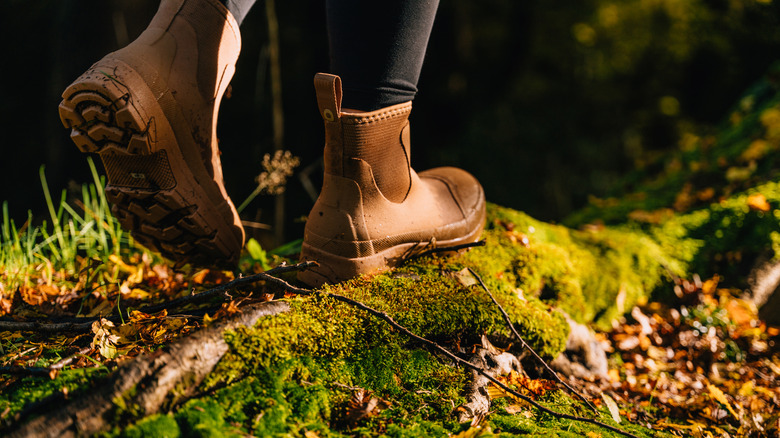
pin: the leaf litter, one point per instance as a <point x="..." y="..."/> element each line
<point x="703" y="365"/>
<point x="110" y="295"/>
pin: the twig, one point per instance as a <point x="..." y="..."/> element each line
<point x="85" y="324"/>
<point x="528" y="347"/>
<point x="387" y="318"/>
<point x="21" y="353"/>
<point x="44" y="327"/>
<point x="27" y="371"/>
<point x="67" y="360"/>
<point x="223" y="288"/>
<point x="446" y="249"/>
<point x="49" y="371"/>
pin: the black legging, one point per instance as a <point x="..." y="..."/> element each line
<point x="377" y="47"/>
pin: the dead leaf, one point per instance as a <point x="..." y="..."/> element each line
<point x="212" y="276"/>
<point x="513" y="409"/>
<point x="718" y="395"/>
<point x="363" y="404"/>
<point x="32" y="296"/>
<point x="104" y="340"/>
<point x="517" y="237"/>
<point x="51" y="291"/>
<point x="465" y="277"/>
<point x="612" y="406"/>
<point x="758" y="202"/>
<point x="741" y="312"/>
<point x="757" y="150"/>
<point x="652" y="217"/>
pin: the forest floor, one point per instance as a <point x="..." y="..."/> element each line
<point x="656" y="306"/>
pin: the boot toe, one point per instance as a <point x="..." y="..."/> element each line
<point x="463" y="186"/>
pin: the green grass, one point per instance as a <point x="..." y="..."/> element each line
<point x="65" y="240"/>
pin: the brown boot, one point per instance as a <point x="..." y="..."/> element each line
<point x="374" y="209"/>
<point x="150" y="111"/>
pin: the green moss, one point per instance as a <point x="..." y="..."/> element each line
<point x="539" y="424"/>
<point x="593" y="275"/>
<point x="205" y="419"/>
<point x="33" y="389"/>
<point x="287" y="399"/>
<point x="162" y="426"/>
<point x="291" y="373"/>
<point x="733" y="235"/>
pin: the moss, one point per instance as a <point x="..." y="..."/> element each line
<point x="323" y="346"/>
<point x="33" y="389"/>
<point x="284" y="400"/>
<point x="594" y="275"/>
<point x="291" y="372"/>
<point x="423" y="429"/>
<point x="733" y="235"/>
<point x="205" y="419"/>
<point x="535" y="423"/>
<point x="695" y="203"/>
<point x="162" y="426"/>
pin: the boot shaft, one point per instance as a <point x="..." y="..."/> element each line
<point x="199" y="37"/>
<point x="379" y="138"/>
<point x="188" y="54"/>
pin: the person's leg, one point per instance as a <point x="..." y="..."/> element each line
<point x="377" y="48"/>
<point x="374" y="210"/>
<point x="239" y="8"/>
<point x="149" y="110"/>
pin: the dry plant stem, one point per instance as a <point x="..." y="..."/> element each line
<point x="49" y="371"/>
<point x="224" y="288"/>
<point x="86" y="325"/>
<point x="68" y="360"/>
<point x="43" y="327"/>
<point x="528" y="347"/>
<point x="433" y="345"/>
<point x="27" y="371"/>
<point x="447" y="249"/>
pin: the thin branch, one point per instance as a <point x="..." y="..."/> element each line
<point x="446" y="249"/>
<point x="46" y="327"/>
<point x="433" y="345"/>
<point x="224" y="288"/>
<point x="28" y="371"/>
<point x="68" y="360"/>
<point x="528" y="347"/>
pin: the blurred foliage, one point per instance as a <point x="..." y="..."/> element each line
<point x="563" y="98"/>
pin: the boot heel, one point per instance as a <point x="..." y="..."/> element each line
<point x="102" y="115"/>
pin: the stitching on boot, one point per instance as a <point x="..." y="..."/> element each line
<point x="378" y="117"/>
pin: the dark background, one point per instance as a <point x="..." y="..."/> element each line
<point x="545" y="102"/>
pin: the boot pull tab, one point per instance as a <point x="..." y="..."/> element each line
<point x="328" y="89"/>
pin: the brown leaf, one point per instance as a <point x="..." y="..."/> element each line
<point x="465" y="277"/>
<point x="363" y="404"/>
<point x="212" y="276"/>
<point x="758" y="202"/>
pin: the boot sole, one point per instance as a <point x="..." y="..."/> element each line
<point x="335" y="269"/>
<point x="153" y="192"/>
